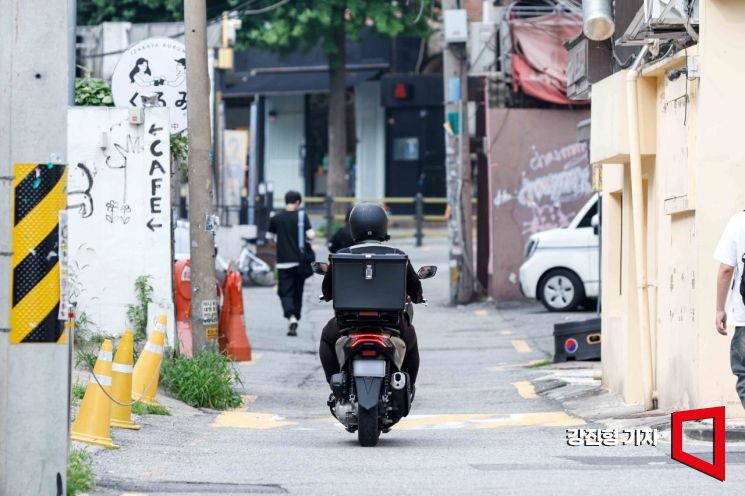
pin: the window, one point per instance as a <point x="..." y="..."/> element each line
<point x="587" y="219"/>
<point x="406" y="149"/>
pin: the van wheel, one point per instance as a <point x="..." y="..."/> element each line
<point x="561" y="291"/>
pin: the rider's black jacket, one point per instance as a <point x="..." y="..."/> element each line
<point x="413" y="284"/>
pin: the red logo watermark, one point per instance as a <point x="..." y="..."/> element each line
<point x="715" y="469"/>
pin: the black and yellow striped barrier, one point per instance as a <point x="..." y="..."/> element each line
<point x="38" y="197"/>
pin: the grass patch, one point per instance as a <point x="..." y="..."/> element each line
<point x="144" y="409"/>
<point x="540" y="363"/>
<point x="77" y="393"/>
<point x="80" y="476"/>
<point x="203" y="381"/>
<point x="137" y="313"/>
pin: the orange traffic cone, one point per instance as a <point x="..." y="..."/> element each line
<point x="121" y="388"/>
<point x="92" y="423"/>
<point x="234" y="338"/>
<point x="146" y="372"/>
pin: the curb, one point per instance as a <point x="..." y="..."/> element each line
<point x="706" y="433"/>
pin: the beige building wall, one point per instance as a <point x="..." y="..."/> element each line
<point x="693" y="151"/>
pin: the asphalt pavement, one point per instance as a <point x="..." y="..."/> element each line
<point x="477" y="426"/>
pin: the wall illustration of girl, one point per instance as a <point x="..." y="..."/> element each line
<point x="142" y="75"/>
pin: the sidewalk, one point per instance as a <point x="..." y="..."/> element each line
<point x="577" y="387"/>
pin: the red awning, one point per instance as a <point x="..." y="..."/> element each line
<point x="539" y="61"/>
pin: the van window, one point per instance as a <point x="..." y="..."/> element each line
<point x="587" y="219"/>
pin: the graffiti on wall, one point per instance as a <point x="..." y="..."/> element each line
<point x="542" y="195"/>
<point x="118" y="211"/>
<point x="539" y="178"/>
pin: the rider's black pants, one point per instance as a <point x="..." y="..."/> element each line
<point x="327" y="350"/>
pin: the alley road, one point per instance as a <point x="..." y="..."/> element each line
<point x="477" y="426"/>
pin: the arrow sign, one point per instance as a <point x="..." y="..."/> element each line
<point x="154" y="129"/>
<point x="132" y="100"/>
<point x="152" y="226"/>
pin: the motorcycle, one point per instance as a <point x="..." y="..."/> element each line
<point x="371" y="393"/>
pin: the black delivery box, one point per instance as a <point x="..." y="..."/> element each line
<point x="369" y="282"/>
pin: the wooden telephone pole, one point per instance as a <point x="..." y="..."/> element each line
<point x="458" y="168"/>
<point x="204" y="301"/>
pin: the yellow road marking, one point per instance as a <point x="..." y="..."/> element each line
<point x="546" y="419"/>
<point x="481" y="313"/>
<point x="250" y="420"/>
<point x="525" y="389"/>
<point x="505" y="332"/>
<point x="438" y="421"/>
<point x="521" y="346"/>
<point x="262" y="421"/>
<point x="255" y="357"/>
<point x="488" y="421"/>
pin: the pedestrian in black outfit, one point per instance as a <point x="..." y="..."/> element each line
<point x="286" y="227"/>
<point x="342" y="237"/>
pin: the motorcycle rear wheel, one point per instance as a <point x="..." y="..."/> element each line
<point x="368" y="431"/>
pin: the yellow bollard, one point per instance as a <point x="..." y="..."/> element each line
<point x="147" y="369"/>
<point x="92" y="423"/>
<point x="121" y="389"/>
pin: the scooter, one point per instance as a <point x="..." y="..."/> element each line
<point x="371" y="393"/>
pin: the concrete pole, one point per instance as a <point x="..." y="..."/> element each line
<point x="458" y="169"/>
<point x="36" y="63"/>
<point x="203" y="282"/>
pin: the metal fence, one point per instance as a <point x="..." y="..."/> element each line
<point x="326" y="205"/>
<point x="418" y="216"/>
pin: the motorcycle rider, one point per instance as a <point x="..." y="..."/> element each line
<point x="368" y="225"/>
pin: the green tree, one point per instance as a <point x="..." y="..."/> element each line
<point x="91" y="12"/>
<point x="302" y="24"/>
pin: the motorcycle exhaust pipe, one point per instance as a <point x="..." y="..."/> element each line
<point x="398" y="381"/>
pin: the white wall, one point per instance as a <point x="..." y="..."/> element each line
<point x="119" y="221"/>
<point x="370" y="122"/>
<point x="283" y="136"/>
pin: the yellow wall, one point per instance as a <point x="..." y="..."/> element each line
<point x="692" y="140"/>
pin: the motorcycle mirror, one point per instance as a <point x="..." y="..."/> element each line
<point x="320" y="268"/>
<point x="427" y="271"/>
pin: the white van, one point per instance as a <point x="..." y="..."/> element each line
<point x="561" y="265"/>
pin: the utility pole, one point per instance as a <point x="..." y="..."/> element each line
<point x="37" y="63"/>
<point x="201" y="219"/>
<point x="458" y="166"/>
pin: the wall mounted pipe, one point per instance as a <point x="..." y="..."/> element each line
<point x="640" y="235"/>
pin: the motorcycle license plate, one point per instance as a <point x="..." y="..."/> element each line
<point x="369" y="368"/>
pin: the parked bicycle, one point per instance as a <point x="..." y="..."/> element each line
<point x="256" y="268"/>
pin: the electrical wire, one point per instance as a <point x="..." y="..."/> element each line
<point x="421" y="11"/>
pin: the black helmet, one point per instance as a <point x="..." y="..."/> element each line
<point x="368" y="221"/>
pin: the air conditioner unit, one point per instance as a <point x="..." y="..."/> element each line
<point x="662" y="14"/>
<point x="664" y="20"/>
